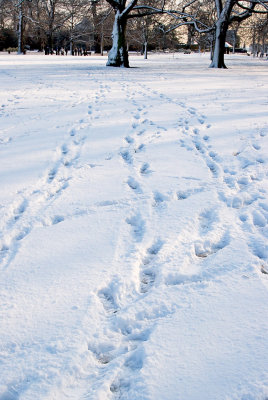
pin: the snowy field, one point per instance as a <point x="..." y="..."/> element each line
<point x="134" y="229"/>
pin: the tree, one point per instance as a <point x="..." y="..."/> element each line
<point x="227" y="12"/>
<point x="230" y="11"/>
<point x="258" y="32"/>
<point x="75" y="11"/>
<point x="20" y="6"/>
<point x="118" y="55"/>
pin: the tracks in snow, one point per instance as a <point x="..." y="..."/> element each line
<point x="131" y="310"/>
<point x="25" y="212"/>
<point x="129" y="317"/>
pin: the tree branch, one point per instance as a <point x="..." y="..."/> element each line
<point x="128" y="8"/>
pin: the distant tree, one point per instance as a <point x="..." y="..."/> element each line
<point x="228" y="12"/>
<point x="4" y="13"/>
<point x="258" y="34"/>
<point x="76" y="11"/>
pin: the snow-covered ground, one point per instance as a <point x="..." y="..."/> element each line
<point x="134" y="229"/>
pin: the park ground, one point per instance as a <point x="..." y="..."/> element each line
<point x="134" y="228"/>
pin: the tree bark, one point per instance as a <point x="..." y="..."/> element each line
<point x="219" y="45"/>
<point x="118" y="55"/>
<point x="220" y="34"/>
<point x="20" y="30"/>
<point x="50" y="42"/>
<point x="145" y="50"/>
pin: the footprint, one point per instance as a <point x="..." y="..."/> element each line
<point x="230" y="182"/>
<point x="207" y="219"/>
<point x="212" y="154"/>
<point x="244" y="181"/>
<point x="183" y="195"/>
<point x="20" y="209"/>
<point x="191" y="111"/>
<point x="57" y="219"/>
<point x="145" y="169"/>
<point x="256" y="146"/>
<point x="213" y="168"/>
<point x="102" y="352"/>
<point x="52" y="173"/>
<point x="159" y="197"/>
<point x="237" y="202"/>
<point x="156" y="247"/>
<point x="24" y="232"/>
<point x="64" y="149"/>
<point x="243" y="217"/>
<point x="207" y="248"/>
<point x="259" y="248"/>
<point x="119" y="386"/>
<point x="147" y="280"/>
<point x="133" y="184"/>
<point x="141" y="132"/>
<point x="127" y="157"/>
<point x="129" y="139"/>
<point x="108" y="301"/>
<point x="138" y="225"/>
<point x="260" y="160"/>
<point x="199" y="147"/>
<point x="258" y="219"/>
<point x="140" y="148"/>
<point x="135" y="360"/>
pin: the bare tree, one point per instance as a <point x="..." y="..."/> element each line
<point x="228" y="12"/>
<point x="75" y="11"/>
<point x="123" y="10"/>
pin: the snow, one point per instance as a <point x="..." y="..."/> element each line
<point x="134" y="226"/>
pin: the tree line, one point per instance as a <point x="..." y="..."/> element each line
<point x="80" y="26"/>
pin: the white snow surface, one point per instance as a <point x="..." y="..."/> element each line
<point x="134" y="227"/>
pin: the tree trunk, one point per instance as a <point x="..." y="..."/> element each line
<point x="71" y="47"/>
<point x="50" y="41"/>
<point x="118" y="55"/>
<point x="20" y="31"/>
<point x="219" y="46"/>
<point x="101" y="47"/>
<point x="145" y="51"/>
